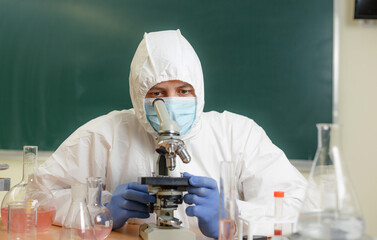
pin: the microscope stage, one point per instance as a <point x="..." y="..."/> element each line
<point x="165" y="181"/>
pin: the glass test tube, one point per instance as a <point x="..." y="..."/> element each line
<point x="279" y="197"/>
<point x="227" y="211"/>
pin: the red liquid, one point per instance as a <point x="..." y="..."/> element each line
<point x="227" y="229"/>
<point x="45" y="217"/>
<point x="277" y="232"/>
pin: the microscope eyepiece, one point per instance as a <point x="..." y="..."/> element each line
<point x="157" y="99"/>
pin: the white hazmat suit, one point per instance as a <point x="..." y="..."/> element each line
<point x="120" y="146"/>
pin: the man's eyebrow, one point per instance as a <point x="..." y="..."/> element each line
<point x="185" y="85"/>
<point x="156" y="88"/>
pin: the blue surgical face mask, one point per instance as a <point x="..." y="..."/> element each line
<point x="181" y="109"/>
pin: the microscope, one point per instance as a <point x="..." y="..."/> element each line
<point x="168" y="190"/>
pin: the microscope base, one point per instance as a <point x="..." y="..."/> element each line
<point x="152" y="232"/>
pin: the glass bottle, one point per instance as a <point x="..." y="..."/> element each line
<point x="78" y="223"/>
<point x="101" y="216"/>
<point x="330" y="209"/>
<point x="29" y="189"/>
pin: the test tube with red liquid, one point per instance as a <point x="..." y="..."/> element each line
<point x="279" y="199"/>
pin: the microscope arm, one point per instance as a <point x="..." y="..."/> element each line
<point x="169" y="144"/>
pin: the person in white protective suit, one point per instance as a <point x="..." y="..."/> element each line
<point x="120" y="146"/>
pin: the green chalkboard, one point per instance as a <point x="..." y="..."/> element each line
<point x="63" y="63"/>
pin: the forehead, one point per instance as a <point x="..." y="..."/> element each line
<point x="171" y="84"/>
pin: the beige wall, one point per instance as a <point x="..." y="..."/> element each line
<point x="358" y="107"/>
<point x="14" y="172"/>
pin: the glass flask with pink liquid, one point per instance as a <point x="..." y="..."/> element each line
<point x="29" y="189"/>
<point x="101" y="216"/>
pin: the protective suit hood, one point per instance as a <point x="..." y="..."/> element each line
<point x="164" y="56"/>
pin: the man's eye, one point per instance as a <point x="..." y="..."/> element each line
<point x="184" y="91"/>
<point x="155" y="94"/>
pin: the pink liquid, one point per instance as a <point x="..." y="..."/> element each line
<point x="85" y="233"/>
<point x="227" y="229"/>
<point x="102" y="232"/>
<point x="45" y="217"/>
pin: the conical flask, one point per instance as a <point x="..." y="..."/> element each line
<point x="101" y="216"/>
<point x="29" y="189"/>
<point x="78" y="222"/>
<point x="330" y="209"/>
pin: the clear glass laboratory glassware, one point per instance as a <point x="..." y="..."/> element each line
<point x="22" y="219"/>
<point x="101" y="216"/>
<point x="278" y="212"/>
<point x="330" y="209"/>
<point x="29" y="189"/>
<point x="227" y="212"/>
<point x="78" y="222"/>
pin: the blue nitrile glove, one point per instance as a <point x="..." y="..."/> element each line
<point x="129" y="201"/>
<point x="204" y="193"/>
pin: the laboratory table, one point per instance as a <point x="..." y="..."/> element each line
<point x="128" y="232"/>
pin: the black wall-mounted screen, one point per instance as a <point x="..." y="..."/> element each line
<point x="365" y="9"/>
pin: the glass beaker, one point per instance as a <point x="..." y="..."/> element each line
<point x="101" y="216"/>
<point x="227" y="211"/>
<point x="78" y="222"/>
<point x="22" y="219"/>
<point x="29" y="189"/>
<point x="330" y="209"/>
